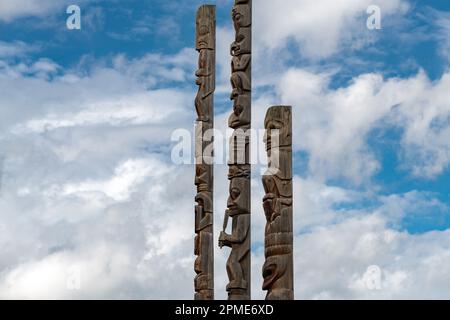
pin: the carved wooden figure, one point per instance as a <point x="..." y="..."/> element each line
<point x="278" y="269"/>
<point x="204" y="105"/>
<point x="238" y="205"/>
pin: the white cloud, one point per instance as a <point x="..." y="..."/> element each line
<point x="14" y="49"/>
<point x="127" y="176"/>
<point x="332" y="262"/>
<point x="121" y="242"/>
<point x="339" y="236"/>
<point x="123" y="111"/>
<point x="12" y="9"/>
<point x="157" y="68"/>
<point x="119" y="95"/>
<point x="333" y="126"/>
<point x="441" y="22"/>
<point x="86" y="182"/>
<point x="320" y="28"/>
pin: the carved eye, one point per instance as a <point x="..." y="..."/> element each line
<point x="238" y="109"/>
<point x="240" y="38"/>
<point x="275" y="125"/>
<point x="269" y="271"/>
<point x="235" y="192"/>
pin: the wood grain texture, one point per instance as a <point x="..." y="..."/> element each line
<point x="238" y="204"/>
<point x="278" y="269"/>
<point x="204" y="170"/>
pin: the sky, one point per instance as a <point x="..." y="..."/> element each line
<point x="93" y="207"/>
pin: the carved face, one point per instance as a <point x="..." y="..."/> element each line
<point x="274" y="268"/>
<point x="277" y="126"/>
<point x="205" y="30"/>
<point x="243" y="42"/>
<point x="201" y="177"/>
<point x="241" y="16"/>
<point x="204" y="202"/>
<point x="241" y="112"/>
<point x="202" y="63"/>
<point x="240" y="84"/>
<point x="238" y="201"/>
<point x="272" y="137"/>
<point x="270" y="197"/>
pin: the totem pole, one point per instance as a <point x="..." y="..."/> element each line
<point x="204" y="170"/>
<point x="278" y="269"/>
<point x="238" y="204"/>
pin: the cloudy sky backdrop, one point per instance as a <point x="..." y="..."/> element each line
<point x="88" y="188"/>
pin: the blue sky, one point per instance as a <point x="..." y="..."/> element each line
<point x="86" y="118"/>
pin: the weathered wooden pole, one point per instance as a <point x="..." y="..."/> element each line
<point x="238" y="204"/>
<point x="204" y="169"/>
<point x="278" y="269"/>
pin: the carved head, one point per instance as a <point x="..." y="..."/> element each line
<point x="202" y="177"/>
<point x="239" y="199"/>
<point x="204" y="201"/>
<point x="240" y="84"/>
<point x="278" y="140"/>
<point x="241" y="112"/>
<point x="278" y="121"/>
<point x="276" y="278"/>
<point x="270" y="198"/>
<point x="243" y="42"/>
<point x="205" y="27"/>
<point x="273" y="269"/>
<point x="241" y="16"/>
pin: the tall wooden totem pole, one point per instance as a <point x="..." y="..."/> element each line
<point x="204" y="170"/>
<point x="238" y="204"/>
<point x="278" y="269"/>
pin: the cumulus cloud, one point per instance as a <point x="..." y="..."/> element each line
<point x="333" y="262"/>
<point x="339" y="237"/>
<point x="85" y="183"/>
<point x="319" y="28"/>
<point x="116" y="237"/>
<point x="333" y="126"/>
<point x="103" y="94"/>
<point x="89" y="196"/>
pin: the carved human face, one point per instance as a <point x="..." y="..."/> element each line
<point x="201" y="177"/>
<point x="241" y="16"/>
<point x="270" y="197"/>
<point x="204" y="201"/>
<point x="243" y="42"/>
<point x="277" y="273"/>
<point x="277" y="124"/>
<point x="205" y="30"/>
<point x="240" y="83"/>
<point x="241" y="112"/>
<point x="274" y="268"/>
<point x="238" y="201"/>
<point x="272" y="134"/>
